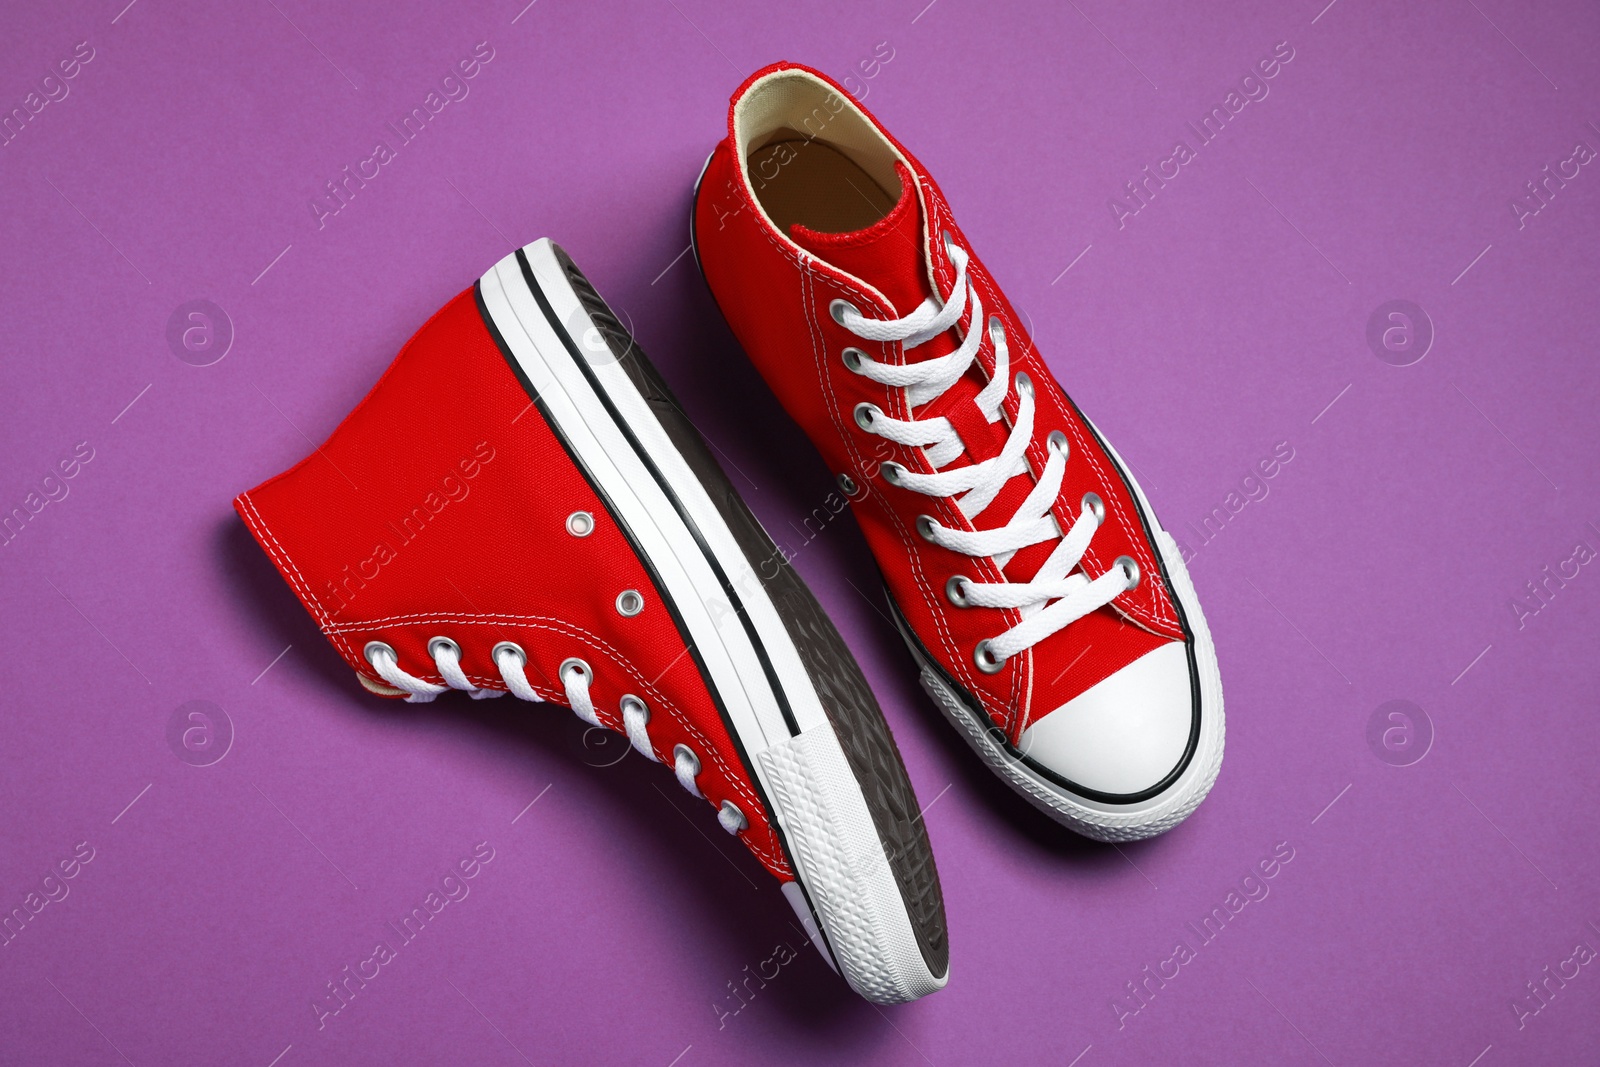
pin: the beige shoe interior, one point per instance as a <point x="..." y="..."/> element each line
<point x="812" y="157"/>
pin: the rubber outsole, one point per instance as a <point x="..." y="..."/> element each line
<point x="1092" y="818"/>
<point x="791" y="695"/>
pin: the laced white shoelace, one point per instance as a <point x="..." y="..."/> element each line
<point x="575" y="678"/>
<point x="1059" y="593"/>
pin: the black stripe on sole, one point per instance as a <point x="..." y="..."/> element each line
<point x="975" y="706"/>
<point x="649" y="462"/>
<point x="842" y="689"/>
<point x="660" y="588"/>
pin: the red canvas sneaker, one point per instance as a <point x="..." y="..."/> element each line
<point x="1050" y="614"/>
<point x="521" y="506"/>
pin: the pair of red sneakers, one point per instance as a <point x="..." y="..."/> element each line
<point x="536" y="515"/>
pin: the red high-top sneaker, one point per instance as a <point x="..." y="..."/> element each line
<point x="521" y="505"/>
<point x="1051" y="615"/>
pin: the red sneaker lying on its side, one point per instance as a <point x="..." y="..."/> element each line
<point x="520" y="504"/>
<point x="1051" y="616"/>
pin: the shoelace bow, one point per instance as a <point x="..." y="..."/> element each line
<point x="1058" y="593"/>
<point x="575" y="678"/>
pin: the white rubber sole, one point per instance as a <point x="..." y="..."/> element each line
<point x="847" y="894"/>
<point x="1102" y="822"/>
<point x="1095" y="819"/>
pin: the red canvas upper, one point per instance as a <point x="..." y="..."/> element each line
<point x="439" y="508"/>
<point x="775" y="290"/>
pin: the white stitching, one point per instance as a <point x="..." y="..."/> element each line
<point x="944" y="276"/>
<point x="290" y="570"/>
<point x="336" y="632"/>
<point x="810" y="270"/>
<point x="567" y="629"/>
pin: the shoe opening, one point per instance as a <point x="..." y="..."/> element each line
<point x="812" y="157"/>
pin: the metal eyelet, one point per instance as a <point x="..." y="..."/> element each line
<point x="436" y="643"/>
<point x="948" y="241"/>
<point x="955" y="590"/>
<point x="997" y="329"/>
<point x="629" y="603"/>
<point x="986" y="660"/>
<point x="373" y="647"/>
<point x="1130" y="568"/>
<point x="580" y="524"/>
<point x="891" y="471"/>
<point x="926" y="527"/>
<point x="511" y="647"/>
<point x="1057" y="442"/>
<point x="1024" y="383"/>
<point x="865" y="413"/>
<point x="573" y="663"/>
<point x="680" y="751"/>
<point x="847" y="484"/>
<point x="735" y="816"/>
<point x="852" y="358"/>
<point x="632" y="703"/>
<point x="1095" y="506"/>
<point x="837" y="308"/>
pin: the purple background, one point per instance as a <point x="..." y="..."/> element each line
<point x="1223" y="318"/>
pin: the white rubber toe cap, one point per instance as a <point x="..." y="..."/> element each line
<point x="1124" y="734"/>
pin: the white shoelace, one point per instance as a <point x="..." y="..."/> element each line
<point x="1059" y="593"/>
<point x="575" y="678"/>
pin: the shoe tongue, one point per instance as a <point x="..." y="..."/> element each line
<point x="886" y="255"/>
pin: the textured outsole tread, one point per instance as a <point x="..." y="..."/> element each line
<point x="847" y="700"/>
